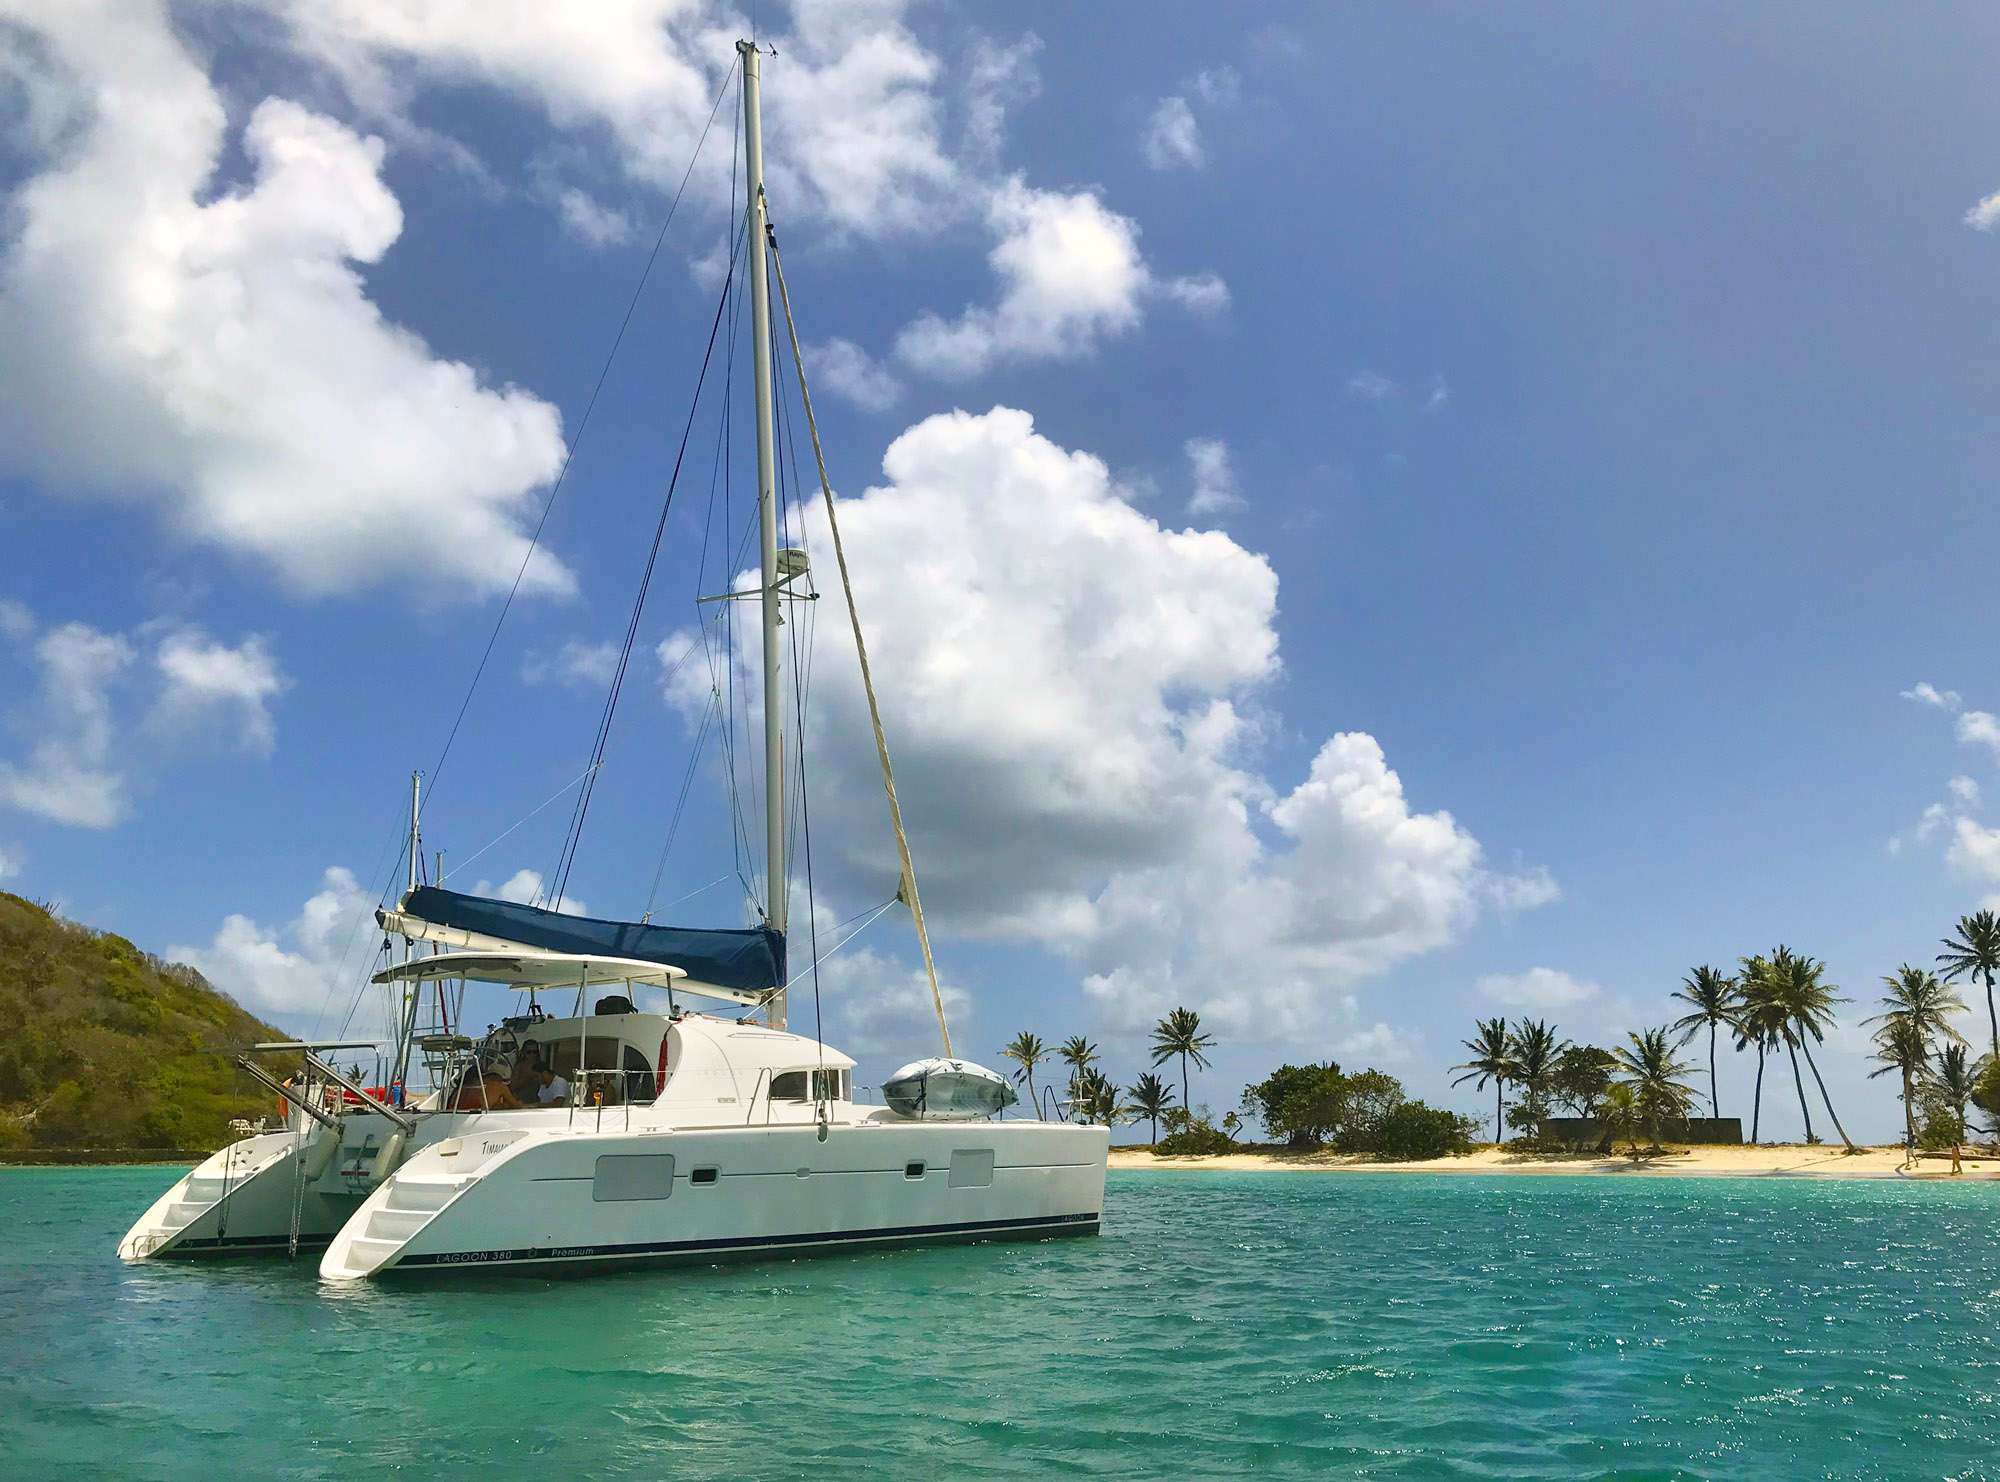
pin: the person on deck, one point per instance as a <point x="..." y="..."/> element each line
<point x="554" y="1090"/>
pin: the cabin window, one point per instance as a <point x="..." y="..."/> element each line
<point x="639" y="1078"/>
<point x="913" y="1170"/>
<point x="793" y="1085"/>
<point x="703" y="1175"/>
<point x="620" y="1177"/>
<point x="971" y="1168"/>
<point x="829" y="1085"/>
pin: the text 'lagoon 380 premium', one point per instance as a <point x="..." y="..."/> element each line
<point x="630" y="1128"/>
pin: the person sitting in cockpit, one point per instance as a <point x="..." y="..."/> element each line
<point x="526" y="1079"/>
<point x="554" y="1089"/>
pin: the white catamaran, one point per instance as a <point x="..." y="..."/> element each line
<point x="617" y="1133"/>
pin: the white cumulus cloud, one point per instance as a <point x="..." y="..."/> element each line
<point x="848" y="371"/>
<point x="1173" y="136"/>
<point x="525" y="887"/>
<point x="1985" y="213"/>
<point x="1075" y="718"/>
<point x="68" y="776"/>
<point x="10" y="863"/>
<point x="1980" y="728"/>
<point x="576" y="662"/>
<point x="295" y="969"/>
<point x="207" y="346"/>
<point x="1071" y="276"/>
<point x="1213" y="475"/>
<point x="1537" y="988"/>
<point x="1923" y="692"/>
<point x="208" y="684"/>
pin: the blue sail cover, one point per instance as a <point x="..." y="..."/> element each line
<point x="749" y="959"/>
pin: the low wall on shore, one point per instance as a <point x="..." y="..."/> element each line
<point x="1588" y="1132"/>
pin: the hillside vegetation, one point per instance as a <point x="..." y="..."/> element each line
<point x="108" y="1047"/>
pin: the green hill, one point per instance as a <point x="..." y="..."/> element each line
<point x="106" y="1048"/>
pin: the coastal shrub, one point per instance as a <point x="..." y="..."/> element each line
<point x="1302" y="1105"/>
<point x="1411" y="1131"/>
<point x="1311" y="1106"/>
<point x="1581" y="1077"/>
<point x="1937" y="1131"/>
<point x="1986" y="1089"/>
<point x="1372" y="1096"/>
<point x="1197" y="1137"/>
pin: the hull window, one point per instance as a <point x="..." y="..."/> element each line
<point x="626" y="1176"/>
<point x="971" y="1168"/>
<point x="913" y="1170"/>
<point x="703" y="1176"/>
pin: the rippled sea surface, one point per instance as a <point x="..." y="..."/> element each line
<point x="1225" y="1325"/>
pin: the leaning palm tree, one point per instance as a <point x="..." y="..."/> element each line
<point x="1975" y="949"/>
<point x="1151" y="1097"/>
<point x="1900" y="1046"/>
<point x="1180" y="1034"/>
<point x="1027" y="1051"/>
<point x="1759" y="1024"/>
<point x="1492" y="1060"/>
<point x="1079" y="1054"/>
<point x="1954" y="1078"/>
<point x="1711" y="994"/>
<point x="1648" y="1066"/>
<point x="1808" y="1001"/>
<point x="1535" y="1048"/>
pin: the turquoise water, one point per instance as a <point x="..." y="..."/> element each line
<point x="1225" y="1325"/>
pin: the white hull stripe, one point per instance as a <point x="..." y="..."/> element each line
<point x="1080" y="1223"/>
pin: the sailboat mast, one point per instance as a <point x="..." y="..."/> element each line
<point x="406" y="1024"/>
<point x="767" y="511"/>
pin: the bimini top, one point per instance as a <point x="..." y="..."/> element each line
<point x="531" y="970"/>
<point x="741" y="964"/>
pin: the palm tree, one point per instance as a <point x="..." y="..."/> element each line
<point x="1180" y="1034"/>
<point x="1492" y="1060"/>
<point x="1711" y="993"/>
<point x="1097" y="1096"/>
<point x="1760" y="1022"/>
<point x="1080" y="1054"/>
<point x="1901" y="1046"/>
<point x="1151" y="1097"/>
<point x="1658" y="1093"/>
<point x="1954" y="1079"/>
<point x="1534" y="1049"/>
<point x="1618" y="1112"/>
<point x="1027" y="1051"/>
<point x="1920" y="999"/>
<point x="1976" y="950"/>
<point x="1808" y="1002"/>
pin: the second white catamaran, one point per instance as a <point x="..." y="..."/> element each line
<point x="618" y="1133"/>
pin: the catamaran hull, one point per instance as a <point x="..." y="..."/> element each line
<point x="584" y="1199"/>
<point x="244" y="1199"/>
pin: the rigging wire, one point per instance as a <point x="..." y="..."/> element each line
<point x="516" y="823"/>
<point x="569" y="456"/>
<point x="567" y="859"/>
<point x="680" y="805"/>
<point x="534" y="540"/>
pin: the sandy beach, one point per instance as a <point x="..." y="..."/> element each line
<point x="1767" y="1161"/>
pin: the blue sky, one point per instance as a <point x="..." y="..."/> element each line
<point x="1580" y="415"/>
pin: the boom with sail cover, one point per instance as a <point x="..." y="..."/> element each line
<point x="737" y="962"/>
